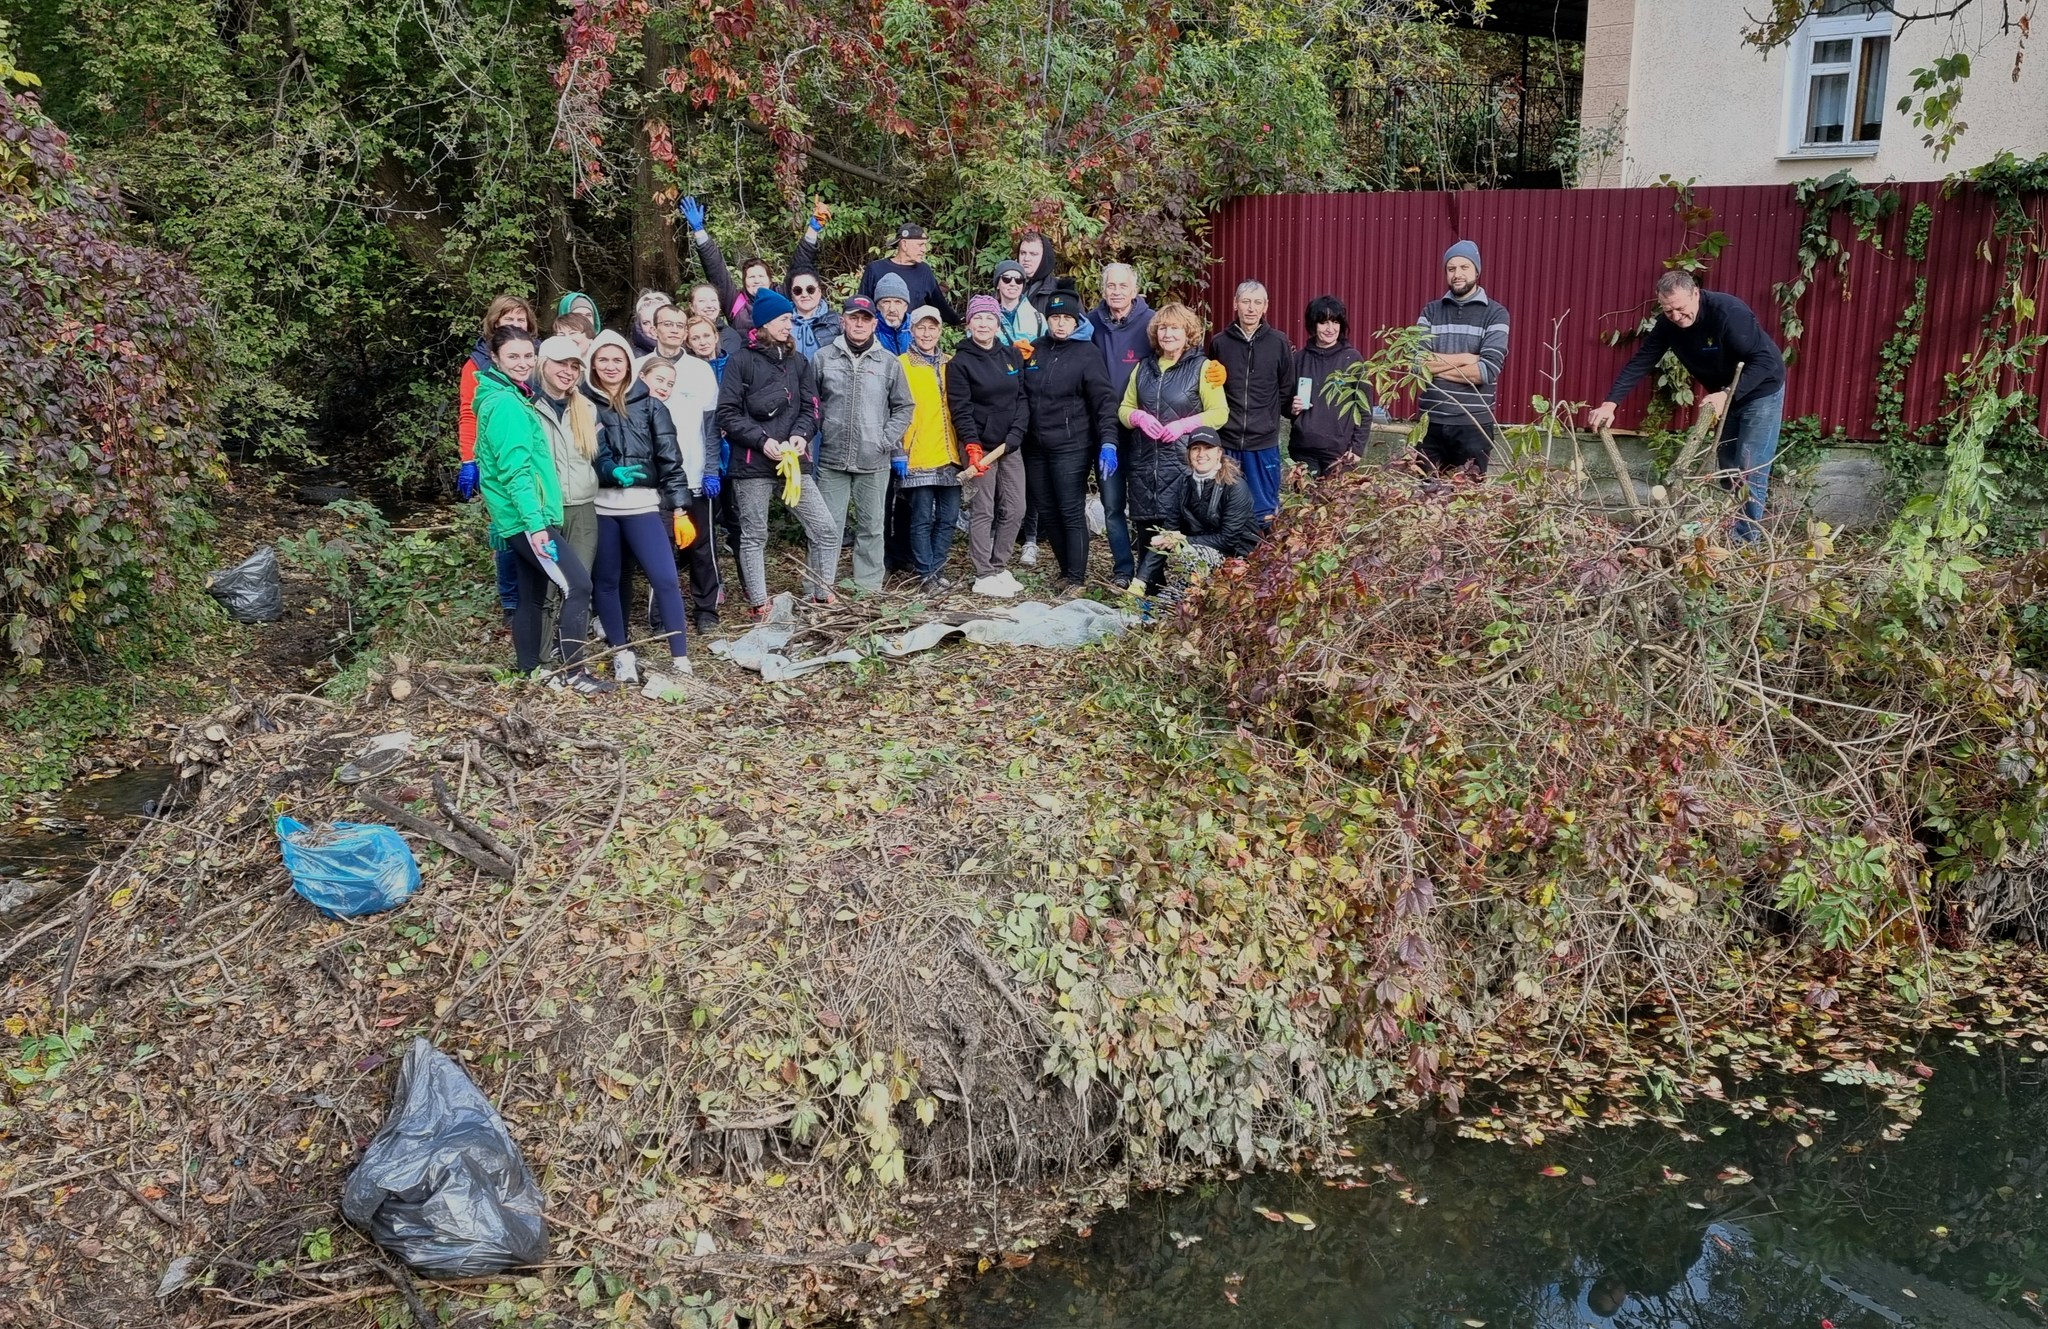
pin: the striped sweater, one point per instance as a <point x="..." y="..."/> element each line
<point x="1474" y="325"/>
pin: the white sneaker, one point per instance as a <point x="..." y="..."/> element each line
<point x="626" y="668"/>
<point x="1011" y="586"/>
<point x="1028" y="555"/>
<point x="998" y="586"/>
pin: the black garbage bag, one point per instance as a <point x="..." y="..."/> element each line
<point x="251" y="591"/>
<point x="442" y="1185"/>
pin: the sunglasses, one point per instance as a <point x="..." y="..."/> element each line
<point x="1010" y="281"/>
<point x="804" y="290"/>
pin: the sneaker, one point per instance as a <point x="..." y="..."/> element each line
<point x="707" y="623"/>
<point x="997" y="586"/>
<point x="1028" y="555"/>
<point x="1011" y="586"/>
<point x="827" y="599"/>
<point x="626" y="668"/>
<point x="681" y="665"/>
<point x="590" y="685"/>
<point x="935" y="585"/>
<point x="1136" y="590"/>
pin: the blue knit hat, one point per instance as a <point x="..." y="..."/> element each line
<point x="1464" y="249"/>
<point x="770" y="304"/>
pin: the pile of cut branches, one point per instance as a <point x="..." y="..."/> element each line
<point x="1582" y="756"/>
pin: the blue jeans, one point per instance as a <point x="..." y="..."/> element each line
<point x="508" y="580"/>
<point x="1750" y="444"/>
<point x="934" y="517"/>
<point x="1113" y="514"/>
<point x="1261" y="467"/>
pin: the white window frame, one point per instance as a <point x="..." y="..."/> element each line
<point x="1851" y="27"/>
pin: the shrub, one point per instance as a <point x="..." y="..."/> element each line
<point x="105" y="425"/>
<point x="1584" y="759"/>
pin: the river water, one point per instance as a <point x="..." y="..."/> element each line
<point x="1739" y="1226"/>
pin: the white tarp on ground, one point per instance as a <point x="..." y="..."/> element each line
<point x="1063" y="626"/>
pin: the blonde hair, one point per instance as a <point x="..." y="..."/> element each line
<point x="579" y="417"/>
<point x="1187" y="319"/>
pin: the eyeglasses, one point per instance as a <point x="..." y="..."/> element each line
<point x="1009" y="280"/>
<point x="804" y="290"/>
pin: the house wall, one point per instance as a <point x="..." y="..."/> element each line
<point x="1699" y="103"/>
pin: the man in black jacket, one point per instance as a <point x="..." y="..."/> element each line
<point x="768" y="410"/>
<point x="1259" y="364"/>
<point x="1712" y="333"/>
<point x="908" y="263"/>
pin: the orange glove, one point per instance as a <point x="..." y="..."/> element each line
<point x="686" y="530"/>
<point x="974" y="458"/>
<point x="1213" y="375"/>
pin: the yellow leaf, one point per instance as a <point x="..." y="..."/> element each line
<point x="1552" y="1171"/>
<point x="1302" y="1219"/>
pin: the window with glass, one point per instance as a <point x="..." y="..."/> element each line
<point x="1846" y="48"/>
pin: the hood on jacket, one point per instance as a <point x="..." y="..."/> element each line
<point x="568" y="302"/>
<point x="604" y="339"/>
<point x="1042" y="282"/>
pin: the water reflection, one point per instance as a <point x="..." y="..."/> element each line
<point x="1944" y="1228"/>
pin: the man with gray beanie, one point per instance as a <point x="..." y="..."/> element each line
<point x="1468" y="347"/>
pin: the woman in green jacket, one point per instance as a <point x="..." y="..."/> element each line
<point x="524" y="498"/>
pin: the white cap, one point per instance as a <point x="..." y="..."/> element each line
<point x="921" y="313"/>
<point x="560" y="348"/>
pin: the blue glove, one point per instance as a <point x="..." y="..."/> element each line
<point x="628" y="476"/>
<point x="1108" y="459"/>
<point x="693" y="212"/>
<point x="712" y="484"/>
<point x="724" y="455"/>
<point x="900" y="465"/>
<point x="554" y="552"/>
<point x="466" y="479"/>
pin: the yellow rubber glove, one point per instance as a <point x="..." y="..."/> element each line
<point x="791" y="468"/>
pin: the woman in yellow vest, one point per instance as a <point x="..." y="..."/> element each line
<point x="932" y="480"/>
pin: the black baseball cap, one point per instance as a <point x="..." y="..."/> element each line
<point x="910" y="231"/>
<point x="859" y="304"/>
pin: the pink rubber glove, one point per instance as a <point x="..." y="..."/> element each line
<point x="1179" y="429"/>
<point x="1148" y="424"/>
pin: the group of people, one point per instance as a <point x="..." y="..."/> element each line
<point x="598" y="451"/>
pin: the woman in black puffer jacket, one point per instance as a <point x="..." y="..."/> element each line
<point x="640" y="476"/>
<point x="1174" y="391"/>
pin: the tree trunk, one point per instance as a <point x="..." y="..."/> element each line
<point x="655" y="260"/>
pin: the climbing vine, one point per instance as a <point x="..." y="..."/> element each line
<point x="1866" y="208"/>
<point x="1670" y="382"/>
<point x="1896" y="356"/>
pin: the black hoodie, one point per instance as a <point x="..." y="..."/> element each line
<point x="985" y="392"/>
<point x="1322" y="433"/>
<point x="1039" y="288"/>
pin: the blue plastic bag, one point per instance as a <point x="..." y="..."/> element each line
<point x="353" y="869"/>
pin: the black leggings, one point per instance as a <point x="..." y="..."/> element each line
<point x="1057" y="485"/>
<point x="533" y="594"/>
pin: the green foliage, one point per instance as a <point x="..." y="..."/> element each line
<point x="387" y="578"/>
<point x="1939" y="88"/>
<point x="108" y="439"/>
<point x="55" y="724"/>
<point x="40" y="1058"/>
<point x="1867" y="210"/>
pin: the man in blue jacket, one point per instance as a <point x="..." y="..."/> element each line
<point x="1123" y="326"/>
<point x="1712" y="333"/>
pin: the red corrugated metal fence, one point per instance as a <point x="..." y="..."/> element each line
<point x="1572" y="264"/>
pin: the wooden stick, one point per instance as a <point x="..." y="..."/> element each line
<point x="468" y="825"/>
<point x="398" y="816"/>
<point x="1621" y="473"/>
